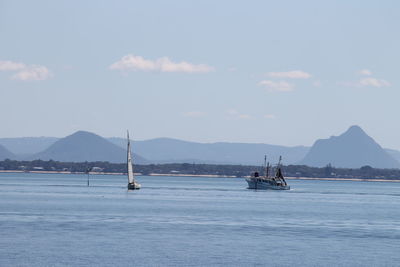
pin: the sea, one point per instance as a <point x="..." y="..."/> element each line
<point x="57" y="220"/>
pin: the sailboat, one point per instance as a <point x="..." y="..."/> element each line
<point x="277" y="182"/>
<point x="132" y="184"/>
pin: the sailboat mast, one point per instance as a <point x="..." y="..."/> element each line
<point x="128" y="148"/>
<point x="129" y="161"/>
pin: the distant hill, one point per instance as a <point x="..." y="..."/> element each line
<point x="394" y="153"/>
<point x="168" y="150"/>
<point x="85" y="146"/>
<point x="352" y="149"/>
<point x="27" y="145"/>
<point x="5" y="153"/>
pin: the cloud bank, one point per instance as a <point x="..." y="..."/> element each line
<point x="163" y="64"/>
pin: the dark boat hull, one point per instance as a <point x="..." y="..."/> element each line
<point x="263" y="184"/>
<point x="133" y="186"/>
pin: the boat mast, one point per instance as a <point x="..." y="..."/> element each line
<point x="278" y="166"/>
<point x="279" y="174"/>
<point x="265" y="166"/>
<point x="129" y="162"/>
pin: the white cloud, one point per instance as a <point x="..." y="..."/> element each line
<point x="194" y="114"/>
<point x="280" y="86"/>
<point x="11" y="66"/>
<point x="164" y="64"/>
<point x="269" y="116"/>
<point x="365" y="72"/>
<point x="369" y="81"/>
<point x="244" y="116"/>
<point x="317" y="83"/>
<point x="32" y="73"/>
<point x="374" y="82"/>
<point x="295" y="74"/>
<point x="232" y="112"/>
<point x="25" y="72"/>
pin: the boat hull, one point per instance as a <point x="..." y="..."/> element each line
<point x="133" y="186"/>
<point x="261" y="184"/>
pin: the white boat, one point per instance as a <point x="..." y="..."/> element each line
<point x="265" y="182"/>
<point x="132" y="184"/>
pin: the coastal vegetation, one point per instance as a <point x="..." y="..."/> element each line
<point x="329" y="171"/>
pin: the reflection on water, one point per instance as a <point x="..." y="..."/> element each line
<point x="48" y="220"/>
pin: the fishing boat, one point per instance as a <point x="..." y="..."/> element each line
<point x="132" y="184"/>
<point x="265" y="182"/>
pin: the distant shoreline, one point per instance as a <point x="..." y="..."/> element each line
<point x="206" y="175"/>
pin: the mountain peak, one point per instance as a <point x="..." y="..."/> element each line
<point x="82" y="133"/>
<point x="352" y="149"/>
<point x="85" y="146"/>
<point x="355" y="130"/>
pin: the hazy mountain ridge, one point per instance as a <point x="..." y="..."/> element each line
<point x="27" y="145"/>
<point x="5" y="153"/>
<point x="85" y="146"/>
<point x="169" y="150"/>
<point x="394" y="153"/>
<point x="352" y="149"/>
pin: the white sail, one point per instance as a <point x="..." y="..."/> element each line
<point x="131" y="180"/>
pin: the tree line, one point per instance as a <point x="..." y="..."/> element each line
<point x="199" y="169"/>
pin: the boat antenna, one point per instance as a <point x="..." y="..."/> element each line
<point x="265" y="166"/>
<point x="265" y="160"/>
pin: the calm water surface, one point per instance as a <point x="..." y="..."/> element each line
<point x="55" y="220"/>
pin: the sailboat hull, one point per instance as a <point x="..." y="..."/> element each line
<point x="133" y="186"/>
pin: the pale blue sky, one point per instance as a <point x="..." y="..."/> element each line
<point x="278" y="72"/>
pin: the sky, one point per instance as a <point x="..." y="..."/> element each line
<point x="276" y="72"/>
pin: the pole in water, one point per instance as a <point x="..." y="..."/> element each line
<point x="88" y="173"/>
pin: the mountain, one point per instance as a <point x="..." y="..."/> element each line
<point x="394" y="153"/>
<point x="168" y="150"/>
<point x="339" y="151"/>
<point x="85" y="146"/>
<point x="5" y="153"/>
<point x="352" y="149"/>
<point x="27" y="145"/>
